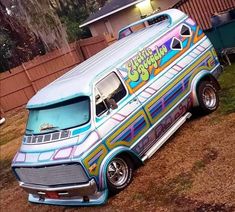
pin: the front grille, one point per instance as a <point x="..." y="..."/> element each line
<point x="37" y="139"/>
<point x="52" y="175"/>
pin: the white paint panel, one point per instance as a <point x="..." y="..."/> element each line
<point x="123" y="73"/>
<point x="173" y="71"/>
<point x="169" y="75"/>
<point x="141" y="99"/>
<point x="145" y="94"/>
<point x="160" y="82"/>
<point x="192" y="54"/>
<point x="189" y="58"/>
<point x="206" y="43"/>
<point x="201" y="49"/>
<point x="177" y="68"/>
<point x="91" y="140"/>
<point x="63" y="153"/>
<point x="150" y="90"/>
<point x="45" y="156"/>
<point x="196" y="52"/>
<point x="106" y="127"/>
<point x="93" y="137"/>
<point x="32" y="157"/>
<point x="118" y="117"/>
<point x="20" y="157"/>
<point x="184" y="62"/>
<point x="129" y="108"/>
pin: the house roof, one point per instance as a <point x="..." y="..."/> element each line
<point x="108" y="9"/>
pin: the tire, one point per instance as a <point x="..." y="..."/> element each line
<point x="208" y="97"/>
<point x="119" y="174"/>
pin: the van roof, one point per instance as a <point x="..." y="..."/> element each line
<point x="79" y="81"/>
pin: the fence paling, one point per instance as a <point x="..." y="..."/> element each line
<point x="22" y="82"/>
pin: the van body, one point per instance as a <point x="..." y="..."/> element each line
<point x="88" y="129"/>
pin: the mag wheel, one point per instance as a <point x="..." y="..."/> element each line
<point x="119" y="174"/>
<point x="207" y="97"/>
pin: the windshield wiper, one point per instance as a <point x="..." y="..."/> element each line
<point x="50" y="128"/>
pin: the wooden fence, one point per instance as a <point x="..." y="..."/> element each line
<point x="202" y="10"/>
<point x="19" y="84"/>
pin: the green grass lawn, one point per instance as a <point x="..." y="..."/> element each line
<point x="227" y="93"/>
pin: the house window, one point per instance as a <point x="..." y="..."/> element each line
<point x="109" y="88"/>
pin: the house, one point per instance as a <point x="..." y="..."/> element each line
<point x="116" y="14"/>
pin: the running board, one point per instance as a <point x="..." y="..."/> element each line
<point x="166" y="136"/>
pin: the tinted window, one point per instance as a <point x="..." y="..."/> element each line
<point x="109" y="88"/>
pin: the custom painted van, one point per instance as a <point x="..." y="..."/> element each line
<point x="87" y="130"/>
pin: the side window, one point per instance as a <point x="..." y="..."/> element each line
<point x="109" y="88"/>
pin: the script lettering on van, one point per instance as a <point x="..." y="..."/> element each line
<point x="144" y="62"/>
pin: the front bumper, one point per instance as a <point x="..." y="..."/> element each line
<point x="62" y="191"/>
<point x="84" y="194"/>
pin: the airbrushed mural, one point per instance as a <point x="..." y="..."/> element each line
<point x="152" y="60"/>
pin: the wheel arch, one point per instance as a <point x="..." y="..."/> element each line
<point x="202" y="76"/>
<point x="120" y="151"/>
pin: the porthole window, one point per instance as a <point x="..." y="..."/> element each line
<point x="185" y="31"/>
<point x="176" y="44"/>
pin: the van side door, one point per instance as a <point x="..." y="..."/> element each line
<point x="120" y="119"/>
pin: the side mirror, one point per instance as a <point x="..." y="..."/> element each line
<point x="112" y="104"/>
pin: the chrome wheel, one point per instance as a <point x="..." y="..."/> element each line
<point x="209" y="97"/>
<point x="117" y="172"/>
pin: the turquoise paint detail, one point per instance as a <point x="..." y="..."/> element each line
<point x="81" y="130"/>
<point x="194" y="28"/>
<point x="200" y="32"/>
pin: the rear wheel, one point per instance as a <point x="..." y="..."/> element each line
<point x="119" y="174"/>
<point x="208" y="98"/>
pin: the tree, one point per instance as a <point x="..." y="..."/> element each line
<point x="17" y="43"/>
<point x="29" y="28"/>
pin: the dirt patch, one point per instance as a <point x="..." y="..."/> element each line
<point x="193" y="171"/>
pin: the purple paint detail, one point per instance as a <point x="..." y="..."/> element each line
<point x="97" y="156"/>
<point x="132" y="132"/>
<point x="163" y="104"/>
<point x="183" y="87"/>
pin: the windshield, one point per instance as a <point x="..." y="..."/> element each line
<point x="64" y="115"/>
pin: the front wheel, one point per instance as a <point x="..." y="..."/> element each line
<point x="119" y="174"/>
<point x="208" y="98"/>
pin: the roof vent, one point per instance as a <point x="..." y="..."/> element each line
<point x="176" y="44"/>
